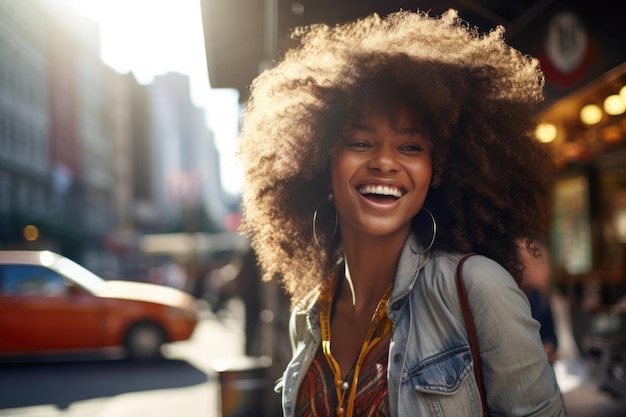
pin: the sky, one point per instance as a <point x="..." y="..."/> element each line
<point x="152" y="37"/>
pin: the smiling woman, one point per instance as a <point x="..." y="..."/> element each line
<point x="408" y="129"/>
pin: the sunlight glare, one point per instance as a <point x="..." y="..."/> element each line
<point x="153" y="37"/>
<point x="150" y="37"/>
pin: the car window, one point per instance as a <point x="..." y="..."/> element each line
<point x="31" y="280"/>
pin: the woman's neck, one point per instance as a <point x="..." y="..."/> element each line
<point x="370" y="266"/>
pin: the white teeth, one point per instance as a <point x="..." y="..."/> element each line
<point x="381" y="190"/>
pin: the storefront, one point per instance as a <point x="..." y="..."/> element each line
<point x="586" y="133"/>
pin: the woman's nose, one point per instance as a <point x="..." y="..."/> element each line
<point x="384" y="160"/>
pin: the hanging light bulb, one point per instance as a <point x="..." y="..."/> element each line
<point x="591" y="114"/>
<point x="545" y="132"/>
<point x="614" y="105"/>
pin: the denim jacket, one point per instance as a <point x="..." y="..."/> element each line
<point x="430" y="363"/>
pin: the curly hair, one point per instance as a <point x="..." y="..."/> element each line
<point x="477" y="97"/>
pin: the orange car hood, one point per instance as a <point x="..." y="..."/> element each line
<point x="146" y="292"/>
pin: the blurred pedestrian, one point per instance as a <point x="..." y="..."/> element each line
<point x="174" y="275"/>
<point x="375" y="155"/>
<point x="536" y="283"/>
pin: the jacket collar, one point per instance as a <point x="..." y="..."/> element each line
<point x="412" y="260"/>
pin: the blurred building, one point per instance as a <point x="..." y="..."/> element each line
<point x="64" y="206"/>
<point x="185" y="161"/>
<point x="97" y="152"/>
<point x="129" y="132"/>
<point x="89" y="158"/>
<point x="25" y="121"/>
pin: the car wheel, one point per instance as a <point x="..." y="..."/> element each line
<point x="143" y="342"/>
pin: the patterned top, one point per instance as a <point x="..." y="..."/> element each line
<point x="317" y="396"/>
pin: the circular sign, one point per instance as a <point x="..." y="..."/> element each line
<point x="567" y="49"/>
<point x="566" y="43"/>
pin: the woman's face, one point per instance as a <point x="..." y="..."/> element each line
<point x="380" y="172"/>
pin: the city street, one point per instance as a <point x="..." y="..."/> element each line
<point x="183" y="385"/>
<point x="123" y="149"/>
<point x="186" y="384"/>
<point x="582" y="398"/>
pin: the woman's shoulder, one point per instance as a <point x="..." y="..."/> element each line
<point x="478" y="270"/>
<point x="486" y="282"/>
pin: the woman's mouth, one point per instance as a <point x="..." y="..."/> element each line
<point x="380" y="192"/>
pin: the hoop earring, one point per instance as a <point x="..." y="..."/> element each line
<point x="432" y="241"/>
<point x="315" y="217"/>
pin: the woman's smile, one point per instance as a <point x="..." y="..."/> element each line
<point x="381" y="196"/>
<point x="381" y="191"/>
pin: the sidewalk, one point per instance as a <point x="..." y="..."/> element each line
<point x="570" y="370"/>
<point x="581" y="396"/>
<point x="217" y="336"/>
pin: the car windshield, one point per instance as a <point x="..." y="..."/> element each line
<point x="79" y="274"/>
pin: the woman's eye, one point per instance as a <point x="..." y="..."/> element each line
<point x="358" y="145"/>
<point x="411" y="148"/>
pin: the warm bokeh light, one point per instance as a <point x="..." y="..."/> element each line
<point x="612" y="134"/>
<point x="591" y="114"/>
<point x="614" y="105"/>
<point x="31" y="233"/>
<point x="546" y="132"/>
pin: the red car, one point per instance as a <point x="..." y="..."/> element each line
<point x="50" y="304"/>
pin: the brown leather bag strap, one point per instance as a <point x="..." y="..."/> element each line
<point x="471" y="332"/>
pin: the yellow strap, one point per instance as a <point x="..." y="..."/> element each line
<point x="380" y="325"/>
